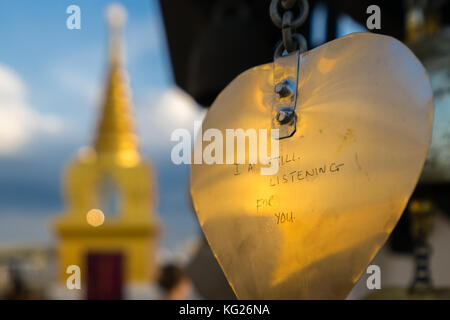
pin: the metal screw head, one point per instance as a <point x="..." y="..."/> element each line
<point x="285" y="88"/>
<point x="285" y="116"/>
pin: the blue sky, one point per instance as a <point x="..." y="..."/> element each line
<point x="51" y="85"/>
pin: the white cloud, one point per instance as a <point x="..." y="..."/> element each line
<point x="170" y="110"/>
<point x="80" y="80"/>
<point x="19" y="122"/>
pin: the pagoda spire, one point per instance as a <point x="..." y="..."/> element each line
<point x="115" y="136"/>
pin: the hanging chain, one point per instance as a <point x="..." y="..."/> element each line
<point x="288" y="22"/>
<point x="422" y="278"/>
<point x="421" y="212"/>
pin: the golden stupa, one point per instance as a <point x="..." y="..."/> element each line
<point x="110" y="179"/>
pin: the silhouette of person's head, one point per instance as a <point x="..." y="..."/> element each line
<point x="174" y="282"/>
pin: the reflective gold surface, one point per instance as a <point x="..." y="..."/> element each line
<point x="308" y="232"/>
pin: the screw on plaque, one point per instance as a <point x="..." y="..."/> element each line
<point x="285" y="115"/>
<point x="285" y="88"/>
<point x="286" y="70"/>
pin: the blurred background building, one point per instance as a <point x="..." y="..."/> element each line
<point x="110" y="179"/>
<point x="46" y="212"/>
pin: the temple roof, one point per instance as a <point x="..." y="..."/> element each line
<point x="115" y="133"/>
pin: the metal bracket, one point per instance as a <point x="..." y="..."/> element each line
<point x="285" y="78"/>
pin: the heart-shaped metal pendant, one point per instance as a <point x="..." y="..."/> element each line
<point x="363" y="125"/>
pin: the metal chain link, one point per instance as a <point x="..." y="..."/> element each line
<point x="422" y="279"/>
<point x="422" y="252"/>
<point x="286" y="21"/>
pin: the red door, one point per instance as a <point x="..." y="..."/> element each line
<point x="104" y="276"/>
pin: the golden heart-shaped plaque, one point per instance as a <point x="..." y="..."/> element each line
<point x="364" y="120"/>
